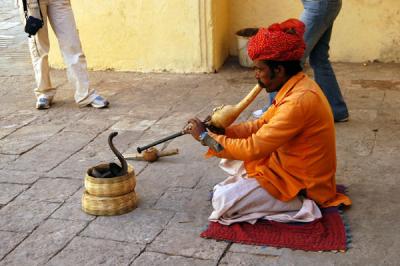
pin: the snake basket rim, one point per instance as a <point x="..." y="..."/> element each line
<point x="110" y="187"/>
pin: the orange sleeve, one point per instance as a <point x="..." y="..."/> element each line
<point x="245" y="129"/>
<point x="284" y="125"/>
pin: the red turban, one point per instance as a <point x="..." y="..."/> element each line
<point x="280" y="42"/>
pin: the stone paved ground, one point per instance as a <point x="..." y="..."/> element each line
<point x="44" y="155"/>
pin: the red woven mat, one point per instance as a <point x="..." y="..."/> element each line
<point x="327" y="233"/>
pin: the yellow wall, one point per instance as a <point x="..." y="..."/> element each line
<point x="368" y="30"/>
<point x="198" y="35"/>
<point x="259" y="13"/>
<point x="364" y="30"/>
<point x="221" y="31"/>
<point x="144" y="35"/>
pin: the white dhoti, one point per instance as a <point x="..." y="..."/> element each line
<point x="242" y="199"/>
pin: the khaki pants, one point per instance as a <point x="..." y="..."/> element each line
<point x="59" y="14"/>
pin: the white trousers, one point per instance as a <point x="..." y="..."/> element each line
<point x="59" y="14"/>
<point x="242" y="199"/>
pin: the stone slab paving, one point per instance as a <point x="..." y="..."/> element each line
<point x="13" y="43"/>
<point x="140" y="226"/>
<point x="187" y="243"/>
<point x="25" y="216"/>
<point x="10" y="191"/>
<point x="27" y="137"/>
<point x="90" y="251"/>
<point x="18" y="177"/>
<point x="44" y="156"/>
<point x="51" y="190"/>
<point x="232" y="258"/>
<point x="5" y="159"/>
<point x="8" y="241"/>
<point x="13" y="122"/>
<point x="49" y="238"/>
<point x="152" y="258"/>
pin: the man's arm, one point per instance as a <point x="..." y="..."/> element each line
<point x="240" y="130"/>
<point x="245" y="129"/>
<point x="287" y="122"/>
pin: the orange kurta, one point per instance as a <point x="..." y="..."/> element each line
<point x="291" y="147"/>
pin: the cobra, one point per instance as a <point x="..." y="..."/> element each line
<point x="113" y="169"/>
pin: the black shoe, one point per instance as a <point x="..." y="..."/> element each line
<point x="342" y="120"/>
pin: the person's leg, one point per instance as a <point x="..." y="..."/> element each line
<point x="271" y="98"/>
<point x="63" y="23"/>
<point x="318" y="16"/>
<point x="313" y="18"/>
<point x="39" y="47"/>
<point x="325" y="77"/>
<point x="241" y="199"/>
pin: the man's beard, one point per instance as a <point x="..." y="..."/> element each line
<point x="262" y="85"/>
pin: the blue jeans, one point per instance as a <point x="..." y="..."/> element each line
<point x="318" y="16"/>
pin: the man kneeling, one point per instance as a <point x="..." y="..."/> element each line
<point x="283" y="164"/>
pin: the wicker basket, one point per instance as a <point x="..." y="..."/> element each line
<point x="108" y="205"/>
<point x="110" y="187"/>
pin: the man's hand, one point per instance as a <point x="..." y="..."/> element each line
<point x="213" y="129"/>
<point x="195" y="127"/>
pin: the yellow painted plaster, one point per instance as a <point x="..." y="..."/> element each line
<point x="367" y="30"/>
<point x="221" y="31"/>
<point x="364" y="30"/>
<point x="143" y="35"/>
<point x="198" y="35"/>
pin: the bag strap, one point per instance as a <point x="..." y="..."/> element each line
<point x="26" y="9"/>
<point x="40" y="10"/>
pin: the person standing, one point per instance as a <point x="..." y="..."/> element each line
<point x="60" y="16"/>
<point x="318" y="17"/>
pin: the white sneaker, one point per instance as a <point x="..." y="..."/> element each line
<point x="42" y="103"/>
<point x="258" y="113"/>
<point x="99" y="102"/>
